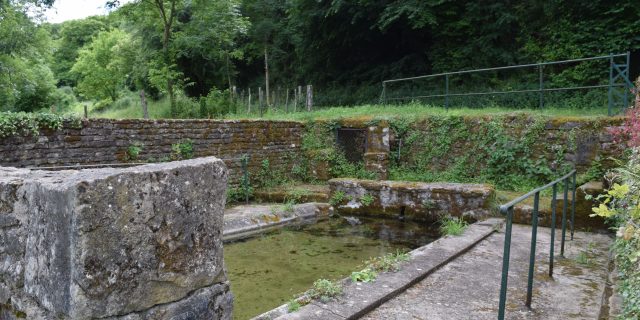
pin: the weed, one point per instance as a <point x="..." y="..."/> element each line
<point x="182" y="150"/>
<point x="364" y="275"/>
<point x="325" y="290"/>
<point x="293" y="305"/>
<point x="452" y="226"/>
<point x="583" y="259"/>
<point x="337" y="198"/>
<point x="388" y="262"/>
<point x="366" y="200"/>
<point x="133" y="151"/>
<point x="288" y="206"/>
<point x="296" y="195"/>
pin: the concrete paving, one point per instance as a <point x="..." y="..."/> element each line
<point x="468" y="287"/>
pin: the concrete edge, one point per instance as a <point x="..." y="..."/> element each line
<point x="424" y="261"/>
<point x="302" y="214"/>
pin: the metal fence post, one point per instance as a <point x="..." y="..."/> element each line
<point x="553" y="228"/>
<point x="564" y="214"/>
<point x="573" y="204"/>
<point x="505" y="265"/>
<point x="540" y="87"/>
<point x="610" y="111"/>
<point x="383" y="97"/>
<point x="625" y="75"/>
<point x="446" y="92"/>
<point x="532" y="257"/>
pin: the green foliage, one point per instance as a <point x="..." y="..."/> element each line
<point x="182" y="150"/>
<point x="133" y="151"/>
<point x="337" y="198"/>
<point x="366" y="200"/>
<point x="22" y="123"/>
<point x="26" y="81"/>
<point x="388" y="262"/>
<point x="103" y="64"/>
<point x="239" y="194"/>
<point x="620" y="205"/>
<point x="293" y="305"/>
<point x="364" y="275"/>
<point x="325" y="290"/>
<point x="451" y="226"/>
<point x="269" y="177"/>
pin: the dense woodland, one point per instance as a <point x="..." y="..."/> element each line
<point x="192" y="52"/>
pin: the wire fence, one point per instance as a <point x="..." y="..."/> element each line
<point x="586" y="82"/>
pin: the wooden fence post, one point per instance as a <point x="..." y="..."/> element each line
<point x="260" y="96"/>
<point x="249" y="102"/>
<point x="309" y="97"/>
<point x="143" y="103"/>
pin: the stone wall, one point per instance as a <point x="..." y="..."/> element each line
<point x="101" y="141"/>
<point x="135" y="243"/>
<point x="412" y="200"/>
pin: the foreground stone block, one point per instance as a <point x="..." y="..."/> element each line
<point x="412" y="200"/>
<point x="135" y="243"/>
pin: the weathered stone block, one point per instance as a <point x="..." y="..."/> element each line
<point x="110" y="243"/>
<point x="413" y="200"/>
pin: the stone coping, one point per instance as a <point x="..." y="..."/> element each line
<point x="241" y="222"/>
<point x="359" y="298"/>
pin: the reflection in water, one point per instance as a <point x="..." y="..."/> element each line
<point x="268" y="270"/>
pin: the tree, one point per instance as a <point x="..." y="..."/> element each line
<point x="73" y="35"/>
<point x="103" y="65"/>
<point x="26" y="82"/>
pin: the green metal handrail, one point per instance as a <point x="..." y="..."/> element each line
<point x="618" y="79"/>
<point x="507" y="210"/>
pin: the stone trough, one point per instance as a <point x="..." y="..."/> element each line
<point x="134" y="243"/>
<point x="412" y="200"/>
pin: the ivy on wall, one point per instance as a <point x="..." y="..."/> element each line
<point x="29" y="124"/>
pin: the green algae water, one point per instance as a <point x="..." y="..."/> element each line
<point x="268" y="270"/>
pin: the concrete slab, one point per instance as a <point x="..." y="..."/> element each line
<point x="468" y="287"/>
<point x="359" y="298"/>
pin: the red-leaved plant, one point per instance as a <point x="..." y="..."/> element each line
<point x="629" y="132"/>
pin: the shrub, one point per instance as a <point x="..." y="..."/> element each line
<point x="620" y="205"/>
<point x="337" y="198"/>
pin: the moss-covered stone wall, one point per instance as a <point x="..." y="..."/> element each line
<point x="105" y="141"/>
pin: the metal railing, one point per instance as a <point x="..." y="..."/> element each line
<point x="619" y="86"/>
<point x="507" y="210"/>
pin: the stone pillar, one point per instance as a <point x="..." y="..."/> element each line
<point x="135" y="243"/>
<point x="376" y="157"/>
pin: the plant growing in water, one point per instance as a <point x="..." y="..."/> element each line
<point x="325" y="290"/>
<point x="451" y="226"/>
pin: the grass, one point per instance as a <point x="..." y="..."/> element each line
<point x="452" y="226"/>
<point x="129" y="107"/>
<point x="411" y="111"/>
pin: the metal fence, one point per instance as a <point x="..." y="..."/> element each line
<point x="507" y="210"/>
<point x="619" y="86"/>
